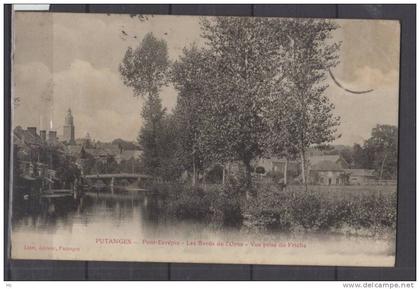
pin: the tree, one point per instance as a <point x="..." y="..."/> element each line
<point x="188" y="76"/>
<point x="346" y="152"/>
<point x="240" y="66"/>
<point x="302" y="114"/>
<point x="170" y="165"/>
<point x="383" y="147"/>
<point x="145" y="70"/>
<point x="125" y="145"/>
<point x="151" y="136"/>
<point x="361" y="157"/>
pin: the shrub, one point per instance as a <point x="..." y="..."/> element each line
<point x="187" y="203"/>
<point x="228" y="206"/>
<point x="374" y="211"/>
<point x="268" y="210"/>
<point x="211" y="204"/>
<point x="273" y="209"/>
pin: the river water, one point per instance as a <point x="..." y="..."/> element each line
<point x="128" y="229"/>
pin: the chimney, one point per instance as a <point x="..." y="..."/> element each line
<point x="43" y="135"/>
<point x="52" y="137"/>
<point x="32" y="130"/>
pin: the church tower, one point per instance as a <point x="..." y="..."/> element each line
<point x="68" y="129"/>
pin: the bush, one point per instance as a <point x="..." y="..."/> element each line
<point x="212" y="204"/>
<point x="273" y="209"/>
<point x="372" y="211"/>
<point x="228" y="205"/>
<point x="269" y="210"/>
<point x="187" y="203"/>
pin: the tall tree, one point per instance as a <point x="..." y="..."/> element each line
<point x="302" y="113"/>
<point x="189" y="78"/>
<point x="145" y="70"/>
<point x="240" y="66"/>
<point x="170" y="144"/>
<point x="151" y="137"/>
<point x="383" y="147"/>
<point x="361" y="157"/>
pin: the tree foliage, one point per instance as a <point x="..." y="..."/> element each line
<point x="301" y="113"/>
<point x="382" y="151"/>
<point x="241" y="66"/>
<point x="188" y="75"/>
<point x="151" y="136"/>
<point x="145" y="69"/>
<point x="256" y="87"/>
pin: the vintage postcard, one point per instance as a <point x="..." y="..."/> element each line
<point x="204" y="139"/>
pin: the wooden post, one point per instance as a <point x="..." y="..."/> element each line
<point x="112" y="185"/>
<point x="194" y="176"/>
<point x="223" y="175"/>
<point x="285" y="172"/>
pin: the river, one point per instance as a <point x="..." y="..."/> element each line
<point x="128" y="229"/>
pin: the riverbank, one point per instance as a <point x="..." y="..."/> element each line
<point x="199" y="226"/>
<point x="268" y="208"/>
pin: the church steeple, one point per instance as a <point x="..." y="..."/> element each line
<point x="69" y="118"/>
<point x="68" y="129"/>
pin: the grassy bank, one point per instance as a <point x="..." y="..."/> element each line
<point x="269" y="208"/>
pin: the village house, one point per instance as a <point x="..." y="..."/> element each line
<point x="103" y="151"/>
<point x="334" y="170"/>
<point x="362" y="177"/>
<point x="327" y="170"/>
<point x="28" y="144"/>
<point x="100" y="151"/>
<point x="126" y="155"/>
<point x="274" y="166"/>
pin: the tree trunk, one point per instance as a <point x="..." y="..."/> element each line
<point x="302" y="159"/>
<point x="382" y="167"/>
<point x="248" y="177"/>
<point x="285" y="172"/>
<point x="223" y="175"/>
<point x="194" y="176"/>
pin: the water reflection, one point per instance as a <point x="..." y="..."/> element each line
<point x="113" y="209"/>
<point x="102" y="215"/>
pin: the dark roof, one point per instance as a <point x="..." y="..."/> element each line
<point x="326" y="165"/>
<point x="317" y="159"/>
<point x="22" y="136"/>
<point x="109" y="148"/>
<point x="361" y="172"/>
<point x="97" y="152"/>
<point x="129" y="154"/>
<point x="326" y="162"/>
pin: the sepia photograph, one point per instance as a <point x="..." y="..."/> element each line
<point x="204" y="139"/>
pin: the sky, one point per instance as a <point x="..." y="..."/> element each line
<point x="68" y="60"/>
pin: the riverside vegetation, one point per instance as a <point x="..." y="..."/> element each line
<point x="272" y="209"/>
